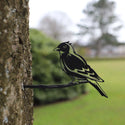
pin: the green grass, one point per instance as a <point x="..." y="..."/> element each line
<point x="91" y="109"/>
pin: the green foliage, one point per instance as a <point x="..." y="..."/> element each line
<point x="46" y="70"/>
<point x="91" y="109"/>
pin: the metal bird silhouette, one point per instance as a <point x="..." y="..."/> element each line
<point x="76" y="66"/>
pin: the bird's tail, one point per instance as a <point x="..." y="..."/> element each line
<point x="99" y="89"/>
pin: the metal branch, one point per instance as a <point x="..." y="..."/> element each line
<point x="42" y="86"/>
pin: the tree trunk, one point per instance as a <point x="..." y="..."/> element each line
<point x="98" y="48"/>
<point x="16" y="105"/>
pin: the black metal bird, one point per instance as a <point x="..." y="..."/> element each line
<point x="76" y="66"/>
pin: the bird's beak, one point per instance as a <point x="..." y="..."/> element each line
<point x="57" y="49"/>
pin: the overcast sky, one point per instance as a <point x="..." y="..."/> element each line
<point x="73" y="8"/>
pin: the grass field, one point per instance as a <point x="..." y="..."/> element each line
<point x="91" y="109"/>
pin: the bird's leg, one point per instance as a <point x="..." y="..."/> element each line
<point x="80" y="80"/>
<point x="77" y="80"/>
<point x="74" y="80"/>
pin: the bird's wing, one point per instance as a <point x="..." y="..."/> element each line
<point x="78" y="67"/>
<point x="91" y="74"/>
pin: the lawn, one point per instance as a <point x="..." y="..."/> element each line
<point x="91" y="109"/>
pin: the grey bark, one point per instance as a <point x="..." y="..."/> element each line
<point x="15" y="63"/>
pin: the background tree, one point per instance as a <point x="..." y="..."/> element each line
<point x="15" y="63"/>
<point x="100" y="24"/>
<point x="56" y="25"/>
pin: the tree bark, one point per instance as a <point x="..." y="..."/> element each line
<point x="15" y="64"/>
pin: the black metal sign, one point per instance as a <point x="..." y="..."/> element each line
<point x="76" y="67"/>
